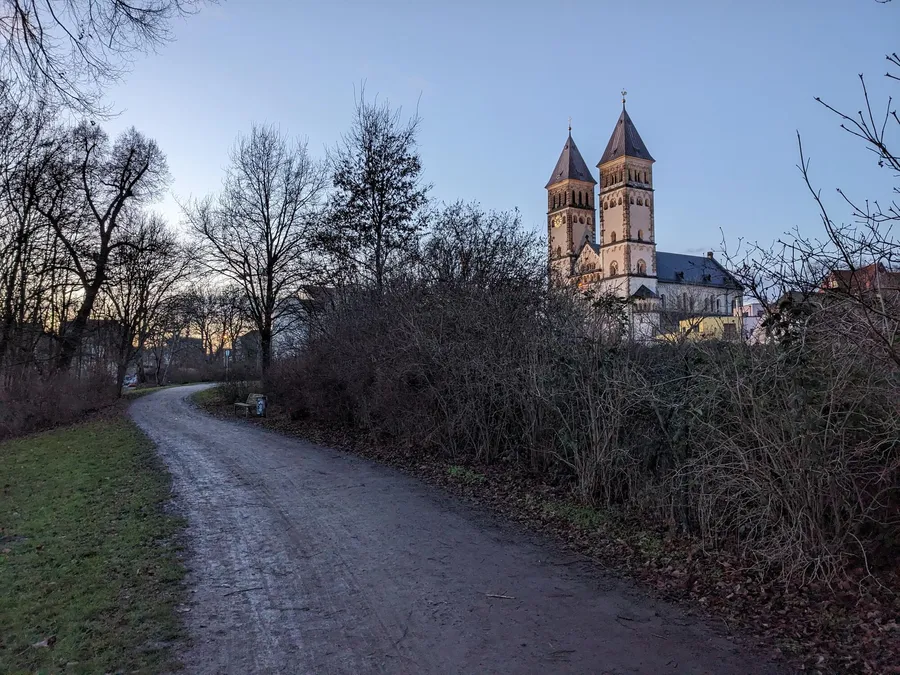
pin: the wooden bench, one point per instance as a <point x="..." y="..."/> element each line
<point x="250" y="405"/>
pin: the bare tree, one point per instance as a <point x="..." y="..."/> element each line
<point x="257" y="232"/>
<point x="217" y="315"/>
<point x="84" y="196"/>
<point x="27" y="258"/>
<point x="850" y="275"/>
<point x="145" y="272"/>
<point x="67" y="50"/>
<point x="372" y="225"/>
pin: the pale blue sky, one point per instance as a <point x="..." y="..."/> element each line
<point x="717" y="89"/>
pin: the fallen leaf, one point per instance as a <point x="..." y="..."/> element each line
<point x="46" y="642"/>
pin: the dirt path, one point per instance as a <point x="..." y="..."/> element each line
<point x="308" y="560"/>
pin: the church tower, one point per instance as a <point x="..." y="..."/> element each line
<point x="627" y="236"/>
<point x="570" y="209"/>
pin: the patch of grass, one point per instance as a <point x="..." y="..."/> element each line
<point x="211" y="396"/>
<point x="465" y="475"/>
<point x="581" y="516"/>
<point x="131" y="394"/>
<point x="88" y="559"/>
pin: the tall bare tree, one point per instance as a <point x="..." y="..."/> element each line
<point x="67" y="50"/>
<point x="26" y="260"/>
<point x="372" y="227"/>
<point x="256" y="233"/>
<point x="145" y="273"/>
<point x="85" y="194"/>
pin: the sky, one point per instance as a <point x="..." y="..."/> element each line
<point x="718" y="90"/>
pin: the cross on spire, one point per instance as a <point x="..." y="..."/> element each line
<point x="624" y="94"/>
<point x="570" y="124"/>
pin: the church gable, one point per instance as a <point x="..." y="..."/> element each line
<point x="588" y="259"/>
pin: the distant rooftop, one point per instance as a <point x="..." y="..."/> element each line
<point x="677" y="268"/>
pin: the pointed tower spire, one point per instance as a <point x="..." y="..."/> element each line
<point x="570" y="209"/>
<point x="625" y="140"/>
<point x="571" y="165"/>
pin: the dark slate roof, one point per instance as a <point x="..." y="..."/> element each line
<point x="570" y="165"/>
<point x="677" y="268"/>
<point x="625" y="141"/>
<point x="643" y="293"/>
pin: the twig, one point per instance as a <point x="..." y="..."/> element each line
<point x="501" y="597"/>
<point x="244" y="590"/>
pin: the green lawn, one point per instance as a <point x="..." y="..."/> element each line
<point x="211" y="396"/>
<point x="88" y="559"/>
<point x="131" y="394"/>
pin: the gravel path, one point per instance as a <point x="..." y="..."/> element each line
<point x="308" y="560"/>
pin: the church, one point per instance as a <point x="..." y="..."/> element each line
<point x="606" y="242"/>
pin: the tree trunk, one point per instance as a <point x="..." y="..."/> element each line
<point x="75" y="333"/>
<point x="265" y="353"/>
<point x="121" y="369"/>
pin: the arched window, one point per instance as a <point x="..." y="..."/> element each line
<point x="605" y="205"/>
<point x="640" y="235"/>
<point x="641" y="267"/>
<point x="629" y="174"/>
<point x="640" y="202"/>
<point x="573" y="197"/>
<point x="613" y="268"/>
<point x="559" y="250"/>
<point x="581" y="220"/>
<point x="632" y="199"/>
<point x="620" y="201"/>
<point x="612" y="238"/>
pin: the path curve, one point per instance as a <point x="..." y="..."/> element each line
<point x="308" y="560"/>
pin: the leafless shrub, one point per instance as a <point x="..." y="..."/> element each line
<point x="31" y="402"/>
<point x="787" y="454"/>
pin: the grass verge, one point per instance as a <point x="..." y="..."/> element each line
<point x="211" y="396"/>
<point x="132" y="394"/>
<point x="89" y="568"/>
